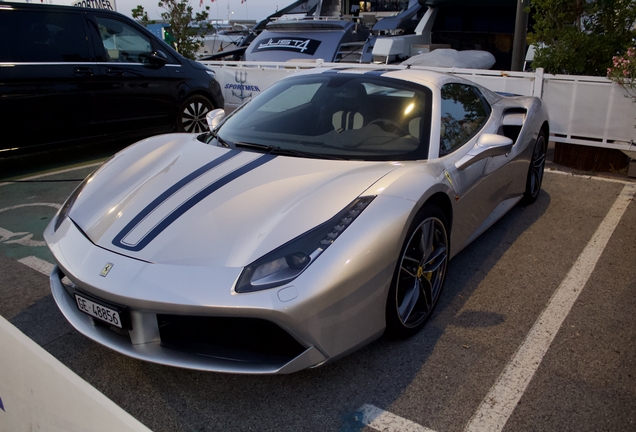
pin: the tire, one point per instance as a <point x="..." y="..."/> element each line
<point x="536" y="169"/>
<point x="192" y="115"/>
<point x="419" y="275"/>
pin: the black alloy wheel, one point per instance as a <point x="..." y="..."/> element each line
<point x="536" y="169"/>
<point x="420" y="274"/>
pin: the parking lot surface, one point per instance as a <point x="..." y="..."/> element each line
<point x="535" y="330"/>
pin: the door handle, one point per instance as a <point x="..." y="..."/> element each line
<point x="114" y="72"/>
<point x="83" y="71"/>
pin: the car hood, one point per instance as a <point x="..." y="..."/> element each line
<point x="175" y="200"/>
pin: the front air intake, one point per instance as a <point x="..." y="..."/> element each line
<point x="238" y="339"/>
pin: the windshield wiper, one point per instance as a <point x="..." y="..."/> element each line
<point x="215" y="135"/>
<point x="261" y="147"/>
<point x="271" y="149"/>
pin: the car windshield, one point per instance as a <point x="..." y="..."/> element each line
<point x="335" y="116"/>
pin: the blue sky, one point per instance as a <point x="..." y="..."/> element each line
<point x="249" y="9"/>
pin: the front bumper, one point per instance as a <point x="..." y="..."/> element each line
<point x="334" y="307"/>
<point x="143" y="341"/>
<point x="165" y="306"/>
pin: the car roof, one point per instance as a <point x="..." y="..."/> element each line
<point x="56" y="7"/>
<point x="428" y="78"/>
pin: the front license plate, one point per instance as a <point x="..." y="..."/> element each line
<point x="98" y="311"/>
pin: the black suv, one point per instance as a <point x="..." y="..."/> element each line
<point x="70" y="74"/>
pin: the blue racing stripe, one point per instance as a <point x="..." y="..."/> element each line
<point x="179" y="211"/>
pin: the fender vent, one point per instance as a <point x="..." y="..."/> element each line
<point x="513" y="120"/>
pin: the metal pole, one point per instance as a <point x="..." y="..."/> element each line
<point x="521" y="31"/>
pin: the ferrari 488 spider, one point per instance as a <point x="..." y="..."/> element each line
<point x="310" y="221"/>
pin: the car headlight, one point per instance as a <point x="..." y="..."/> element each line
<point x="66" y="207"/>
<point x="284" y="264"/>
<point x="211" y="73"/>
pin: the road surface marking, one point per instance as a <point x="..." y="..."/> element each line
<point x="54" y="205"/>
<point x="6" y="234"/>
<point x="37" y="264"/>
<point x="26" y="240"/>
<point x="384" y="421"/>
<point x="498" y="405"/>
<point x="54" y="173"/>
<point x="589" y="177"/>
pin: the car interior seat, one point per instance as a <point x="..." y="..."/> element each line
<point x="414" y="127"/>
<point x="343" y="111"/>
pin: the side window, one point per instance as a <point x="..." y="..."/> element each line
<point x="42" y="37"/>
<point x="122" y="42"/>
<point x="464" y="112"/>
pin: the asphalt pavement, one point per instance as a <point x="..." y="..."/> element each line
<point x="535" y="330"/>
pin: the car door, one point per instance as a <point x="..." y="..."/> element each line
<point x="134" y="93"/>
<point x="47" y="73"/>
<point x="479" y="187"/>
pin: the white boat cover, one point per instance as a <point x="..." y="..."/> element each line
<point x="469" y="59"/>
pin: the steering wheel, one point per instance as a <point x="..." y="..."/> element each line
<point x="390" y="126"/>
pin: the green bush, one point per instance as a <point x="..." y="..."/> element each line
<point x="580" y="37"/>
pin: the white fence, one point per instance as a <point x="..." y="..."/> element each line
<point x="590" y="111"/>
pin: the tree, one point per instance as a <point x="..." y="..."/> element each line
<point x="581" y="37"/>
<point x="186" y="39"/>
<point x="141" y="15"/>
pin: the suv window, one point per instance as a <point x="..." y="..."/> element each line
<point x="42" y="37"/>
<point x="123" y="43"/>
<point x="464" y="112"/>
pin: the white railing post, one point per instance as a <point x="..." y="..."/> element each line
<point x="538" y="83"/>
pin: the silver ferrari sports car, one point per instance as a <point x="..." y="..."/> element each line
<point x="312" y="220"/>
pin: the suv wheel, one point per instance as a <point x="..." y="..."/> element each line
<point x="192" y="115"/>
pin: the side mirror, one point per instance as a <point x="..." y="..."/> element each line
<point x="488" y="145"/>
<point x="215" y="117"/>
<point x="158" y="58"/>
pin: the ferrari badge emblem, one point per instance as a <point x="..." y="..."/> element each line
<point x="106" y="269"/>
<point x="448" y="177"/>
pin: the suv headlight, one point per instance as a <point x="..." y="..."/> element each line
<point x="286" y="263"/>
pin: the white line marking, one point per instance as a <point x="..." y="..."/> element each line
<point x="6" y="234"/>
<point x="54" y="173"/>
<point x="56" y="206"/>
<point x="26" y="240"/>
<point x="384" y="421"/>
<point x="589" y="177"/>
<point x="37" y="264"/>
<point x="500" y="402"/>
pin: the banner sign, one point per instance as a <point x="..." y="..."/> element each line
<point x="241" y="84"/>
<point x="301" y="45"/>
<point x="96" y="4"/>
